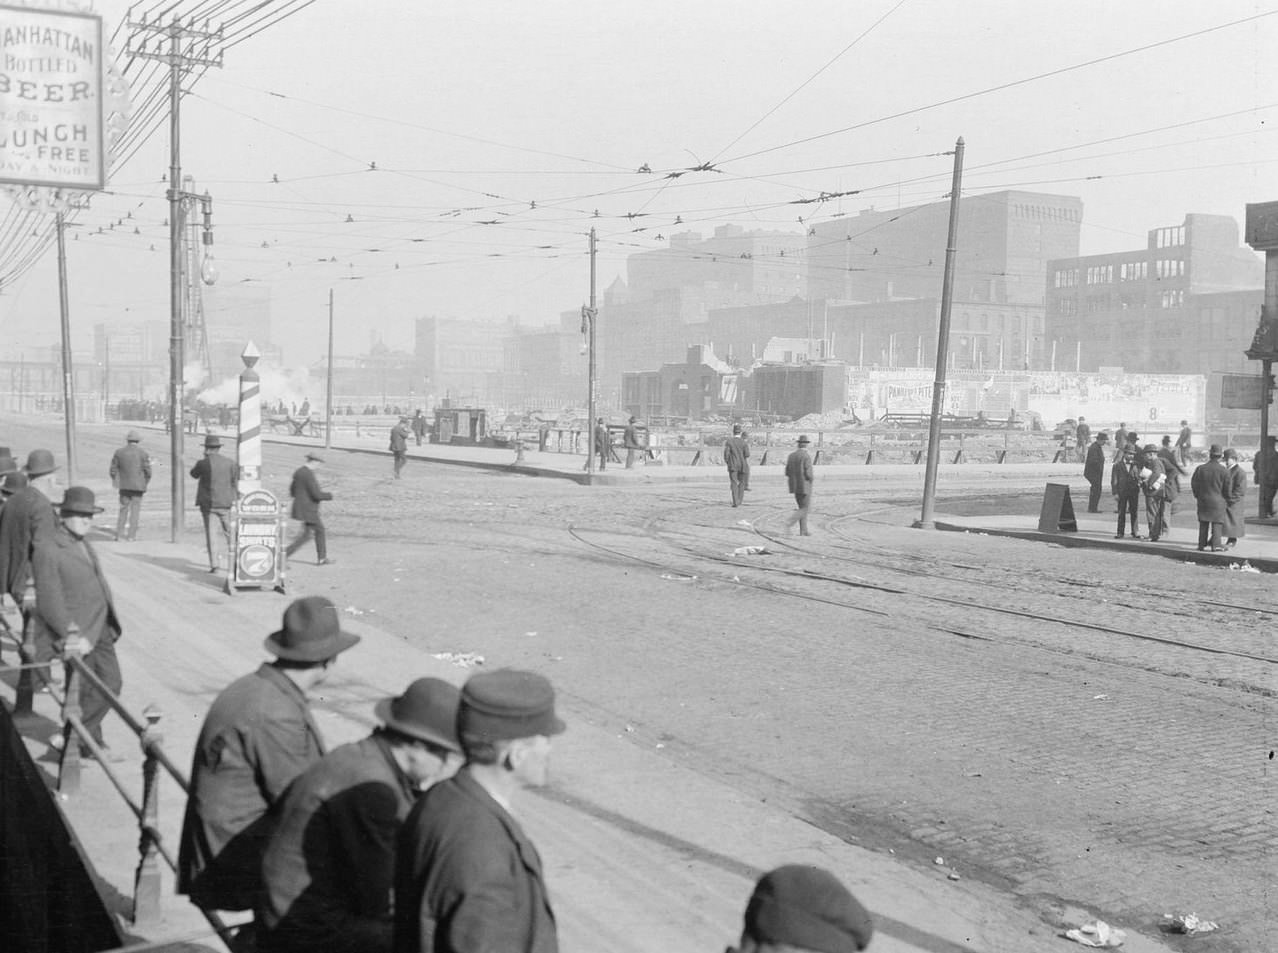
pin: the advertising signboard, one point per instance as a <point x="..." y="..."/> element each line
<point x="1242" y="391"/>
<point x="51" y="99"/>
<point x="258" y="552"/>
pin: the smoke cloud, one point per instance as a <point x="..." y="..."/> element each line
<point x="291" y="385"/>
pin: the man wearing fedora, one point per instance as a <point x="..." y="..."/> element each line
<point x="130" y="475"/>
<point x="467" y="877"/>
<point x="307" y="496"/>
<point x="256" y="738"/>
<point x="70" y="589"/>
<point x="28" y="518"/>
<point x="330" y="864"/>
<point x="214" y="496"/>
<point x="1210" y="484"/>
<point x="736" y="457"/>
<point x="803" y="909"/>
<point x="798" y="474"/>
<point x="399" y="444"/>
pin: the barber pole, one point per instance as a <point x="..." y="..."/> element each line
<point x="250" y="428"/>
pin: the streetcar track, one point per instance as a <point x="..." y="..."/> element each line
<point x="966" y="604"/>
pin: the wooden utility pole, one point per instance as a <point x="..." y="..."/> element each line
<point x="68" y="370"/>
<point x="328" y="408"/>
<point x="942" y="348"/>
<point x="588" y="316"/>
<point x="178" y="60"/>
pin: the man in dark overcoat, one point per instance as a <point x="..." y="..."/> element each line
<point x="330" y="864"/>
<point x="1174" y="472"/>
<point x="736" y="457"/>
<point x="307" y="497"/>
<point x="256" y="738"/>
<point x="1124" y="481"/>
<point x="215" y="494"/>
<point x="130" y="475"/>
<point x="630" y="440"/>
<point x="1266" y="475"/>
<point x="467" y="877"/>
<point x="798" y="475"/>
<point x="603" y="443"/>
<point x="1210" y="484"/>
<point x="1094" y="471"/>
<point x="1234" y="525"/>
<point x="399" y="445"/>
<point x="28" y="519"/>
<point x="70" y="588"/>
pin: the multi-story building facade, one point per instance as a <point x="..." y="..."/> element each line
<point x="1186" y="303"/>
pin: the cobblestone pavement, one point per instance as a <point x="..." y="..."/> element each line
<point x="1070" y="767"/>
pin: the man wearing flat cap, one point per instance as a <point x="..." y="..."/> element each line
<point x="798" y="474"/>
<point x="468" y="879"/>
<point x="130" y="475"/>
<point x="399" y="445"/>
<point x="256" y="738"/>
<point x="1210" y="484"/>
<point x="307" y="497"/>
<point x="801" y="909"/>
<point x="70" y="590"/>
<point x="330" y="863"/>
<point x="214" y="496"/>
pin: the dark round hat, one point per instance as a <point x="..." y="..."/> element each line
<point x="312" y="455"/>
<point x="507" y="704"/>
<point x="808" y="909"/>
<point x="1214" y="450"/>
<point x="40" y="462"/>
<point x="8" y="464"/>
<point x="311" y="632"/>
<point x="212" y="440"/>
<point x="1150" y="448"/>
<point x="14" y="481"/>
<point x="427" y="711"/>
<point x="804" y="439"/>
<point x="78" y="501"/>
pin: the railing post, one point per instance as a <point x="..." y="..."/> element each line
<point x="146" y="886"/>
<point x="69" y="768"/>
<point x="24" y="700"/>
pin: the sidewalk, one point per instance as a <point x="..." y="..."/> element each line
<point x="643" y="853"/>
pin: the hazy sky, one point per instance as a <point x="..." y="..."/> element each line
<point x="498" y="129"/>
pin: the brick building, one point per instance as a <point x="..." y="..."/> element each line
<point x="1186" y="303"/>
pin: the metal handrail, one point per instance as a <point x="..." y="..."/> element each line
<point x="147" y="893"/>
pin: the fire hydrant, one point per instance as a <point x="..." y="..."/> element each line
<point x="519" y="451"/>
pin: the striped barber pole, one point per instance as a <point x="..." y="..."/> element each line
<point x="250" y="430"/>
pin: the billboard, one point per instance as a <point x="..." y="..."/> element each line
<point x="1242" y="391"/>
<point x="51" y="99"/>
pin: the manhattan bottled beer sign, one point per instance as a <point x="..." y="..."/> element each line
<point x="51" y="99"/>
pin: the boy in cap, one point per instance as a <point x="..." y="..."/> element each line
<point x="130" y="474"/>
<point x="214" y="496"/>
<point x="71" y="590"/>
<point x="256" y="738"/>
<point x="802" y="909"/>
<point x="330" y="863"/>
<point x="307" y="496"/>
<point x="467" y="877"/>
<point x="798" y="474"/>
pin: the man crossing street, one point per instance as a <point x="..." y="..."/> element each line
<point x="130" y="475"/>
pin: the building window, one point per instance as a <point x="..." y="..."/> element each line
<point x="1169" y="237"/>
<point x="1134" y="271"/>
<point x="1173" y="299"/>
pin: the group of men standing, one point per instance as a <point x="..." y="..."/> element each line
<point x="50" y="570"/>
<point x="1219" y="486"/>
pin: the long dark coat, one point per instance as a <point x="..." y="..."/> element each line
<point x="1234" y="525"/>
<point x="1094" y="468"/>
<point x="798" y="473"/>
<point x="258" y="736"/>
<point x="467" y="878"/>
<point x="1210" y="484"/>
<point x="27" y="520"/>
<point x="217" y="477"/>
<point x="307" y="495"/>
<point x="330" y="864"/>
<point x="70" y="588"/>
